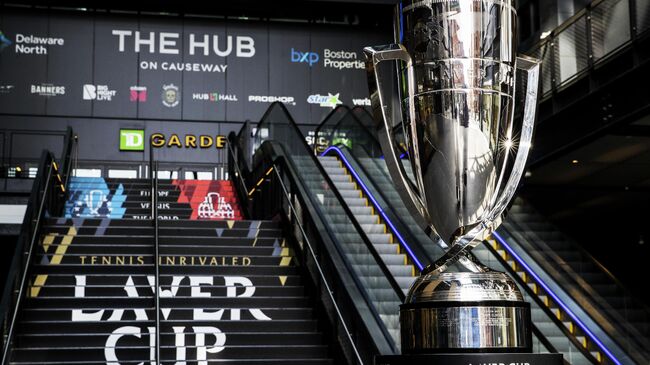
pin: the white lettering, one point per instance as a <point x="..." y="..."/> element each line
<point x="121" y="34"/>
<point x="150" y="42"/>
<point x="205" y="44"/>
<point x="201" y="349"/>
<point x="166" y="41"/>
<point x="111" y="342"/>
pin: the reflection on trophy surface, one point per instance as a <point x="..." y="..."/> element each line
<point x="455" y="105"/>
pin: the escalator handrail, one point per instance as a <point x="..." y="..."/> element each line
<point x="236" y="174"/>
<point x="339" y="197"/>
<point x="598" y="264"/>
<point x="567" y="303"/>
<point x="273" y="155"/>
<point x="531" y="293"/>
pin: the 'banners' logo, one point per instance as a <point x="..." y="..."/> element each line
<point x="306" y="57"/>
<point x="329" y="101"/>
<point x="47" y="90"/>
<point x="289" y="100"/>
<point x="214" y="97"/>
<point x="131" y="140"/>
<point x="138" y="93"/>
<point x="4" y="41"/>
<point x="98" y="92"/>
<point x="170" y="96"/>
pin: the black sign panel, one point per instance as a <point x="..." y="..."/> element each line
<point x="170" y="68"/>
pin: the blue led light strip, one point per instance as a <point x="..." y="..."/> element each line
<point x="555" y="297"/>
<point x="374" y="201"/>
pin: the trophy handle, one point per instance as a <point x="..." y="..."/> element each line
<point x="492" y="219"/>
<point x="383" y="115"/>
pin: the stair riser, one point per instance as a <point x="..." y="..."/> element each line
<point x="168" y="339"/>
<point x="170" y="354"/>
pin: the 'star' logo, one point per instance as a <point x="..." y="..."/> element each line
<point x="4" y="41"/>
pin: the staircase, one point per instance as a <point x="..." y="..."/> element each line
<point x="229" y="290"/>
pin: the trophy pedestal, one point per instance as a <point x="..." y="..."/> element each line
<point x="465" y="312"/>
<point x="475" y="358"/>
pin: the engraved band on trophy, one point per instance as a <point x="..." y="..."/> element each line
<point x="456" y="88"/>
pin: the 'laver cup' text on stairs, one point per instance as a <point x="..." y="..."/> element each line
<point x="206" y="339"/>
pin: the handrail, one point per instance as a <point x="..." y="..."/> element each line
<point x="318" y="266"/>
<point x="30" y="231"/>
<point x="153" y="176"/>
<point x="540" y="303"/>
<point x="595" y="261"/>
<point x="238" y="173"/>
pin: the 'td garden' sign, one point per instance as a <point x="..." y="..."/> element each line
<point x="133" y="140"/>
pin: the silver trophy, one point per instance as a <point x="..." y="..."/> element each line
<point x="455" y="97"/>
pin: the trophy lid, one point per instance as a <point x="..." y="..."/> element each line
<point x="464" y="287"/>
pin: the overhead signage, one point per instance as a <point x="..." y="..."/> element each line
<point x="152" y="68"/>
<point x="159" y="140"/>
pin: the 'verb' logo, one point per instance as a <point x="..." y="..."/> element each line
<point x="131" y="140"/>
<point x="307" y="57"/>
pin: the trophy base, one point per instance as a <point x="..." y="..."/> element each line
<point x="464" y="359"/>
<point x="465" y="312"/>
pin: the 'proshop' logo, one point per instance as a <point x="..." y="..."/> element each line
<point x="131" y="140"/>
<point x="306" y="57"/>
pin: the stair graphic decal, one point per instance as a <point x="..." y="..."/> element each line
<point x="229" y="289"/>
<point x="131" y="198"/>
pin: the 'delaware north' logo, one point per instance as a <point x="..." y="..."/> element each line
<point x="131" y="140"/>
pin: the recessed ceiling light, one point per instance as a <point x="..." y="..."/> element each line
<point x="575" y="162"/>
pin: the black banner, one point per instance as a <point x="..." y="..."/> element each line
<point x="92" y="65"/>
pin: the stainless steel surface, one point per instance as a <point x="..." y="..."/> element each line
<point x="463" y="286"/>
<point x="480" y="327"/>
<point x="456" y="85"/>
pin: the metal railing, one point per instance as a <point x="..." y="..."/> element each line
<point x="587" y="39"/>
<point x="47" y="199"/>
<point x="153" y="178"/>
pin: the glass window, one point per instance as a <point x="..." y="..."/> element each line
<point x="87" y="172"/>
<point x="123" y="174"/>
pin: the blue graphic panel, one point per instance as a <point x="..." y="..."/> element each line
<point x="90" y="197"/>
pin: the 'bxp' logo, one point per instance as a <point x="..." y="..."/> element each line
<point x="131" y="140"/>
<point x="307" y="57"/>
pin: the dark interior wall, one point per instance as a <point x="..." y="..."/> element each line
<point x="82" y="54"/>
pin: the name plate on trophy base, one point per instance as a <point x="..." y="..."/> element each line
<point x="470" y="359"/>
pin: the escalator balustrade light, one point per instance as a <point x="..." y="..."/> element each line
<point x="374" y="201"/>
<point x="556" y="299"/>
<point x="269" y="171"/>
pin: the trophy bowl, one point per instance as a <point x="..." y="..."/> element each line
<point x="453" y="104"/>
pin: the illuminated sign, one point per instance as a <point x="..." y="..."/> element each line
<point x="159" y="140"/>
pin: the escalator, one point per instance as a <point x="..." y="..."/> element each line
<point x="563" y="285"/>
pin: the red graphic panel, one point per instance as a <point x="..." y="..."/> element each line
<point x="209" y="199"/>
